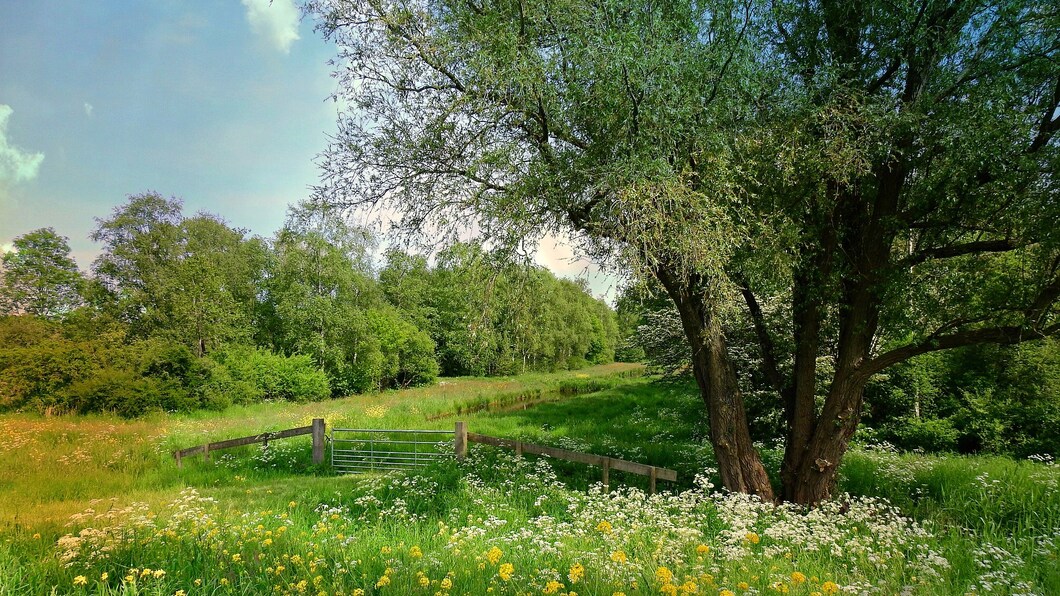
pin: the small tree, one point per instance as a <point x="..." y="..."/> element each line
<point x="39" y="276"/>
<point x="884" y="171"/>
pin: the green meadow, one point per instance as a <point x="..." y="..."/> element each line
<point x="97" y="505"/>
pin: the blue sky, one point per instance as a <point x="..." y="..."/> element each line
<point x="223" y="104"/>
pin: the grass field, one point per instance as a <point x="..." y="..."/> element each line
<point x="96" y="505"/>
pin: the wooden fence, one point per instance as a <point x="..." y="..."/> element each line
<point x="460" y="443"/>
<point x="316" y="429"/>
<point x="654" y="473"/>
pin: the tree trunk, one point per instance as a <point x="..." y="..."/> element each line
<point x="739" y="463"/>
<point x="815" y="478"/>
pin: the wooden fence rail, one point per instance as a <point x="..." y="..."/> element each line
<point x="606" y="463"/>
<point x="316" y="429"/>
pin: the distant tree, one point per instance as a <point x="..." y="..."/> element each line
<point x="321" y="300"/>
<point x="39" y="277"/>
<point x="885" y="174"/>
<point x="192" y="280"/>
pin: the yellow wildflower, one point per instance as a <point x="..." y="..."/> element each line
<point x="752" y="537"/>
<point x="726" y="593"/>
<point x="689" y="587"/>
<point x="743" y="586"/>
<point x="668" y="589"/>
<point x="619" y="557"/>
<point x="80" y="581"/>
<point x="702" y="549"/>
<point x="664" y="575"/>
<point x="447" y="583"/>
<point x="358" y="592"/>
<point x="237" y="558"/>
<point x="577" y="572"/>
<point x="104" y="576"/>
<point x="494" y="555"/>
<point x="159" y="574"/>
<point x="830" y="588"/>
<point x="553" y="587"/>
<point x="797" y="577"/>
<point x="604" y="527"/>
<point x="385" y="550"/>
<point x="224" y="581"/>
<point x="383" y="581"/>
<point x="506" y="571"/>
<point x="180" y="593"/>
<point x="415" y="552"/>
<point x="425" y="581"/>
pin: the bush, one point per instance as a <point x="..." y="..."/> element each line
<point x="257" y="374"/>
<point x="408" y="352"/>
<point x="127" y="394"/>
<point x="927" y="434"/>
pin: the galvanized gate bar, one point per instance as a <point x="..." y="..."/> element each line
<point x="367" y="449"/>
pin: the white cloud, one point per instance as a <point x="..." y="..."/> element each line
<point x="88" y="109"/>
<point x="274" y="20"/>
<point x="16" y="165"/>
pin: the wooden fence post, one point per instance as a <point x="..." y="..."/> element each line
<point x="318" y="440"/>
<point x="180" y="464"/>
<point x="460" y="440"/>
<point x="651" y="480"/>
<point x="607" y="474"/>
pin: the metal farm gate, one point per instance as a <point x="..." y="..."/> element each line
<point x="370" y="449"/>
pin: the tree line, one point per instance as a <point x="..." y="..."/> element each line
<point x="182" y="312"/>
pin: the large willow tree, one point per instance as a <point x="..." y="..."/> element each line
<point x="868" y="181"/>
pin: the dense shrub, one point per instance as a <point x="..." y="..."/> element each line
<point x="44" y="369"/>
<point x="258" y="374"/>
<point x="926" y="434"/>
<point x="407" y="352"/>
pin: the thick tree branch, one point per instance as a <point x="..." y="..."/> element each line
<point x="958" y="250"/>
<point x="988" y="335"/>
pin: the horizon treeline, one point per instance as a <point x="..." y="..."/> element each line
<point x="182" y="312"/>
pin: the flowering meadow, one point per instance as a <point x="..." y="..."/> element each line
<point x="257" y="521"/>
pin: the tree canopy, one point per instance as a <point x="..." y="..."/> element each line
<point x="39" y="276"/>
<point x="866" y="181"/>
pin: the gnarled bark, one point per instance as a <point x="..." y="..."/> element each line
<point x="739" y="462"/>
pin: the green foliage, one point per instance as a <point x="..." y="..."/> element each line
<point x="39" y="277"/>
<point x="1003" y="400"/>
<point x="488" y="316"/>
<point x="190" y="313"/>
<point x="48" y="372"/>
<point x="263" y="375"/>
<point x="190" y="280"/>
